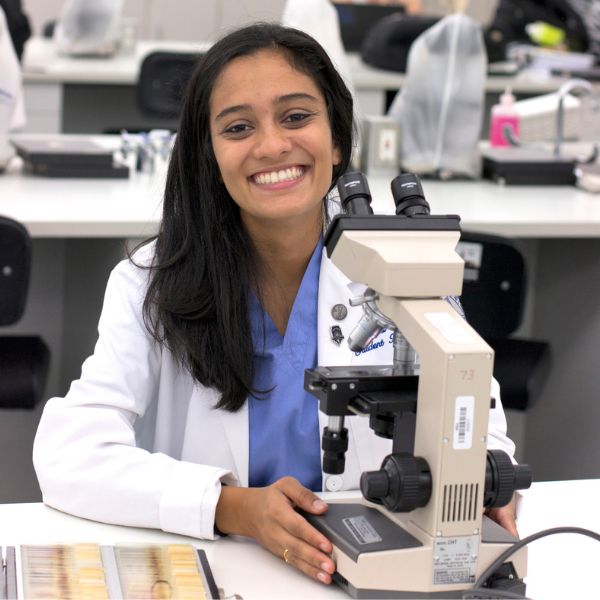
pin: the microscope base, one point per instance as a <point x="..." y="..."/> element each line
<point x="515" y="586"/>
<point x="378" y="558"/>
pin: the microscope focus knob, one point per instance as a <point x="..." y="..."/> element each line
<point x="402" y="484"/>
<point x="375" y="484"/>
<point x="503" y="478"/>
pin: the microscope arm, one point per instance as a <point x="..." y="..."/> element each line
<point x="453" y="407"/>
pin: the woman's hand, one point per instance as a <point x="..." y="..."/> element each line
<point x="505" y="516"/>
<point x="267" y="515"/>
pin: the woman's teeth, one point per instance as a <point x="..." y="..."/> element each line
<point x="279" y="176"/>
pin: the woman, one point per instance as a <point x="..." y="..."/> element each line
<point x="191" y="415"/>
<point x="18" y="24"/>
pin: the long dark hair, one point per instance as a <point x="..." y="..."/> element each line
<point x="196" y="303"/>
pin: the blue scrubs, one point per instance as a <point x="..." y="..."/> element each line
<point x="284" y="423"/>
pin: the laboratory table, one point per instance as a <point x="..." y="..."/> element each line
<point x="115" y="208"/>
<point x="559" y="567"/>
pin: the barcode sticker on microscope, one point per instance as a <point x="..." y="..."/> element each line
<point x="463" y="422"/>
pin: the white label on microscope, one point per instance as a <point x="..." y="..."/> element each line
<point x="362" y="531"/>
<point x="450" y="327"/>
<point x="455" y="560"/>
<point x="464" y="408"/>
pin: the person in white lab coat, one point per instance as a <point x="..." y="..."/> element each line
<point x="191" y="415"/>
<point x="319" y="19"/>
<point x="12" y="109"/>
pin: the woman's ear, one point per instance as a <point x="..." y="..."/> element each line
<point x="336" y="156"/>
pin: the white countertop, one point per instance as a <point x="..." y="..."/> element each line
<point x="564" y="566"/>
<point x="559" y="567"/>
<point x="514" y="211"/>
<point x="71" y="208"/>
<point x="367" y="77"/>
<point x="122" y="208"/>
<point x="42" y="63"/>
<point x="79" y="208"/>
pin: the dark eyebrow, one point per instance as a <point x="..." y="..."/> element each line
<point x="280" y="99"/>
<point x="297" y="96"/>
<point x="232" y="109"/>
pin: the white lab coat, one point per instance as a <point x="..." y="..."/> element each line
<point x="319" y="19"/>
<point x="12" y="107"/>
<point x="137" y="442"/>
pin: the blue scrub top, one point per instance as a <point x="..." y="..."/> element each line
<point x="284" y="423"/>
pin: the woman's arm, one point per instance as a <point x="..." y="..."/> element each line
<point x="85" y="452"/>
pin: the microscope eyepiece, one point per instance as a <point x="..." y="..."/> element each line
<point x="408" y="195"/>
<point x="355" y="194"/>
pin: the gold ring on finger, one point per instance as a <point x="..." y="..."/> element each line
<point x="286" y="557"/>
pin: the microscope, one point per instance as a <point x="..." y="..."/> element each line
<point x="420" y="531"/>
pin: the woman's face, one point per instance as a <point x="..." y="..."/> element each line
<point x="272" y="139"/>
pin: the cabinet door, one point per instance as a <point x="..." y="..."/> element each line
<point x="235" y="13"/>
<point x="183" y="20"/>
<point x="198" y="20"/>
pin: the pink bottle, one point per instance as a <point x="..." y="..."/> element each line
<point x="504" y="115"/>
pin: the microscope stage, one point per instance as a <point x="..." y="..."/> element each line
<point x="356" y="529"/>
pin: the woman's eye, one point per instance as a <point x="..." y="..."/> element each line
<point x="237" y="129"/>
<point x="297" y="118"/>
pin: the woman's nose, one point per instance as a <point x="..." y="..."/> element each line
<point x="272" y="142"/>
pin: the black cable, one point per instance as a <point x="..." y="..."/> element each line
<point x="492" y="594"/>
<point x="478" y="589"/>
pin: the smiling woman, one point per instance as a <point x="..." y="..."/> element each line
<point x="191" y="416"/>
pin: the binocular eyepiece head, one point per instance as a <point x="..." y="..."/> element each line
<point x="355" y="195"/>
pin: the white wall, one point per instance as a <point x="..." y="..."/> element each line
<point x="205" y="19"/>
<point x="173" y="19"/>
<point x="40" y="12"/>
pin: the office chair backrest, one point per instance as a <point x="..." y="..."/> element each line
<point x="493" y="298"/>
<point x="15" y="261"/>
<point x="494" y="284"/>
<point x="162" y="81"/>
<point x="24" y="360"/>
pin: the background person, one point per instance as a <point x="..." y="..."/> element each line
<point x="12" y="107"/>
<point x="18" y="24"/>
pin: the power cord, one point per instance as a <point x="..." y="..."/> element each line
<point x="479" y="591"/>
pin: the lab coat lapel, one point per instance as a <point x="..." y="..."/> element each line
<point x="335" y="289"/>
